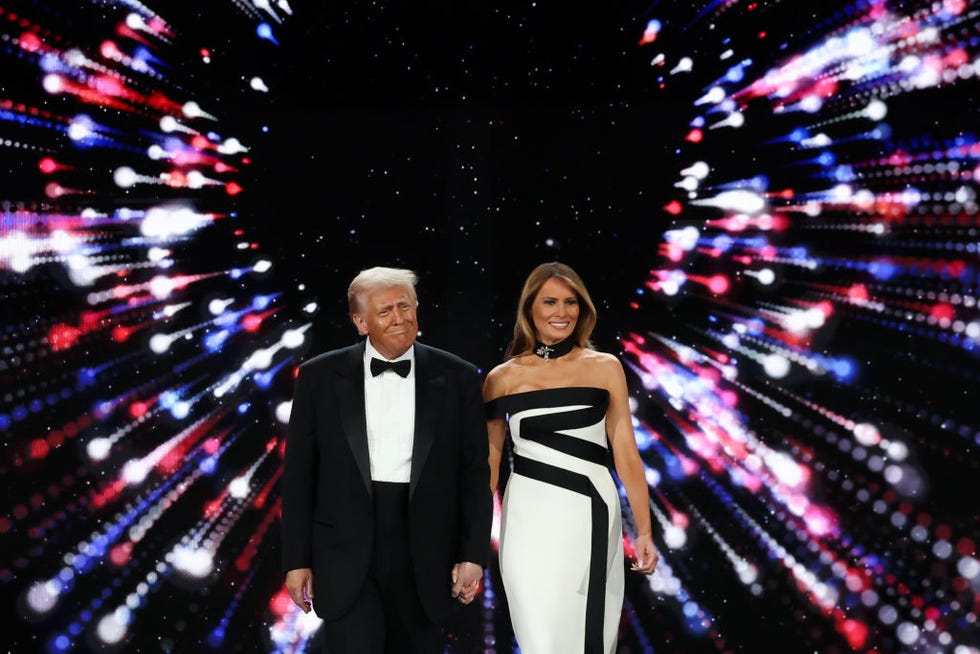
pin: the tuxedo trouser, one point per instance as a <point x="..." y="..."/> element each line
<point x="387" y="617"/>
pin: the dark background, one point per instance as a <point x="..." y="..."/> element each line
<point x="471" y="142"/>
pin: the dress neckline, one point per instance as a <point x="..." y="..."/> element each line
<point x="554" y="388"/>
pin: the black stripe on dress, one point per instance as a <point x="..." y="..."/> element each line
<point x="547" y="398"/>
<point x="544" y="429"/>
<point x="595" y="599"/>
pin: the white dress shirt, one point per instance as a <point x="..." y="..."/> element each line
<point x="389" y="403"/>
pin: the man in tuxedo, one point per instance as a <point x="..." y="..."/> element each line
<point x="386" y="507"/>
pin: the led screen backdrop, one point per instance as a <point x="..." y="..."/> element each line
<point x="773" y="203"/>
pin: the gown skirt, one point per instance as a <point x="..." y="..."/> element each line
<point x="561" y="539"/>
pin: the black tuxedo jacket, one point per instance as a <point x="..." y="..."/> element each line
<point x="327" y="522"/>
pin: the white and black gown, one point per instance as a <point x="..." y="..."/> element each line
<point x="561" y="539"/>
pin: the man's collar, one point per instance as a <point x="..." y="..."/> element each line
<point x="370" y="351"/>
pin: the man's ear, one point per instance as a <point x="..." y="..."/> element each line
<point x="360" y="323"/>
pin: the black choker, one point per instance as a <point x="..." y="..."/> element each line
<point x="559" y="349"/>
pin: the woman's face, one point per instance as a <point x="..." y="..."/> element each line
<point x="554" y="311"/>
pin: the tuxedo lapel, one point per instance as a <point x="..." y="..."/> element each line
<point x="350" y="391"/>
<point x="430" y="388"/>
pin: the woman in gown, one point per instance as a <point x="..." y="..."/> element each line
<point x="564" y="404"/>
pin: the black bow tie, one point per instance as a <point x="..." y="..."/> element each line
<point x="402" y="367"/>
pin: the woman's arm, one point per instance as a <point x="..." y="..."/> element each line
<point x="629" y="465"/>
<point x="496" y="427"/>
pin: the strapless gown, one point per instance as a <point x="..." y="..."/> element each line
<point x="561" y="539"/>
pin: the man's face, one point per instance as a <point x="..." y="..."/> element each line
<point x="388" y="317"/>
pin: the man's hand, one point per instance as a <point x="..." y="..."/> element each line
<point x="299" y="583"/>
<point x="466" y="581"/>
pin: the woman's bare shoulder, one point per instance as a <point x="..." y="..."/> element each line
<point x="502" y="370"/>
<point x="604" y="366"/>
<point x="605" y="359"/>
<point x="498" y="379"/>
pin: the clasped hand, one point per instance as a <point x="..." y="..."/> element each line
<point x="466" y="579"/>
